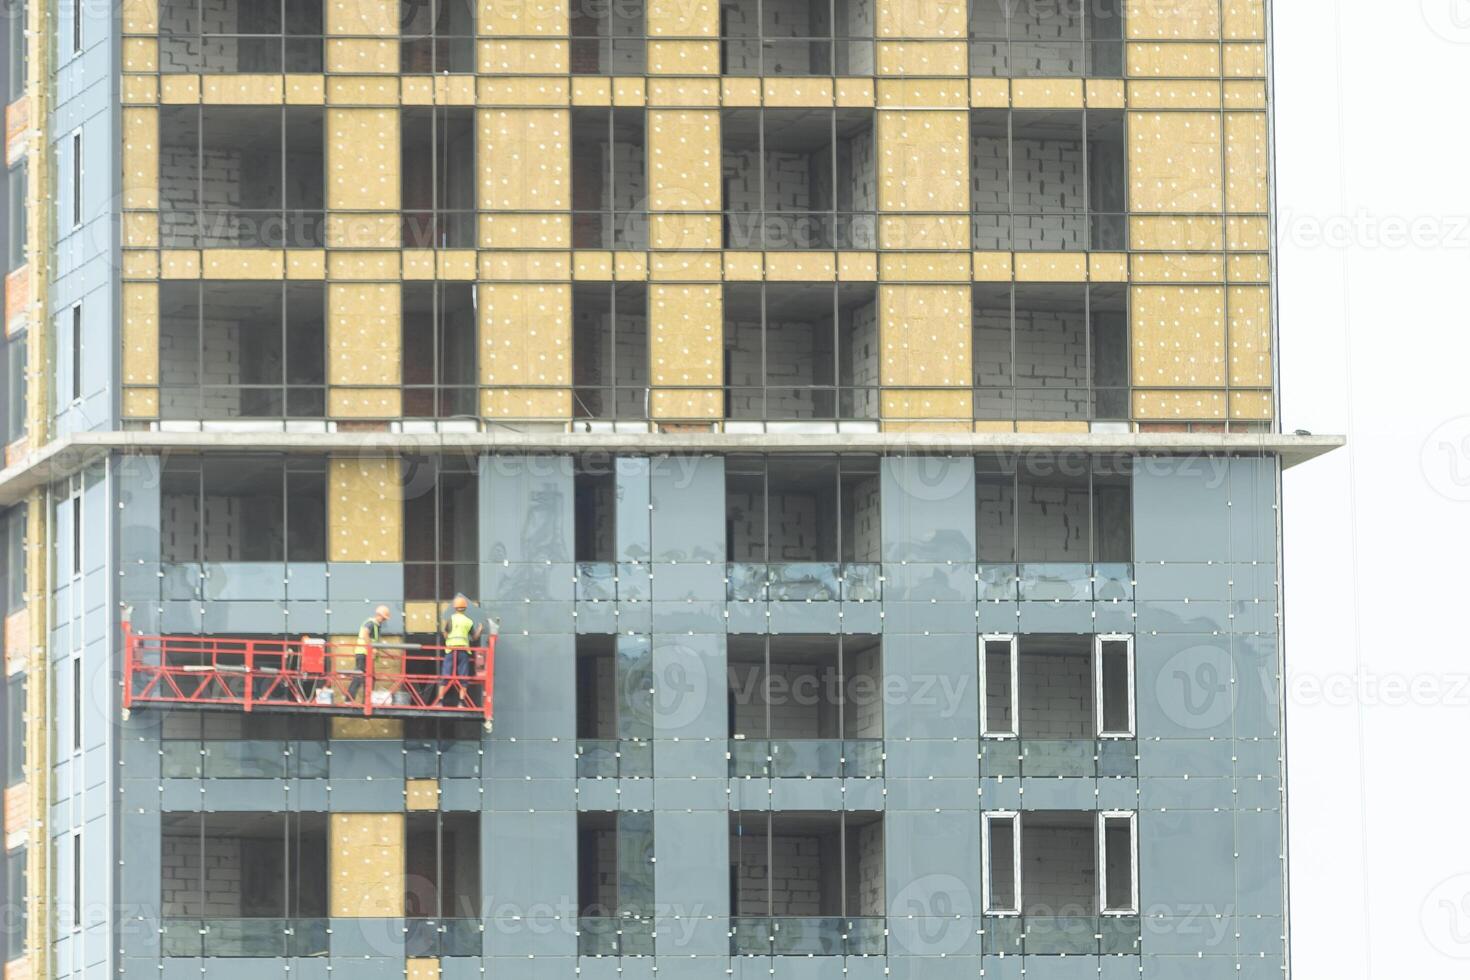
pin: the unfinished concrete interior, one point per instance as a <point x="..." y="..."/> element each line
<point x="1047" y="179"/>
<point x="441" y="514"/>
<point x="1039" y="513"/>
<point x="441" y="865"/>
<point x="1050" y="38"/>
<point x="610" y="351"/>
<point x="795" y="687"/>
<point x="609" y="179"/>
<point x="801" y="509"/>
<point x="801" y="351"/>
<point x="247" y="36"/>
<point x="797" y="37"/>
<point x="607" y="38"/>
<point x="243" y="509"/>
<point x="438" y="177"/>
<point x="241" y="350"/>
<point x="440" y="348"/>
<point x="798" y="178"/>
<point x="241" y="176"/>
<point x="1050" y="351"/>
<point x="438" y="36"/>
<point x="796" y="864"/>
<point x="224" y="865"/>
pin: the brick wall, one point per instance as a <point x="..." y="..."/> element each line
<point x="1033" y="175"/>
<point x="1055" y="695"/>
<point x="187" y="53"/>
<point x="1050" y="360"/>
<point x="805" y="866"/>
<point x="222" y="873"/>
<point x="1054" y="523"/>
<point x="594" y="345"/>
<point x="1035" y="32"/>
<point x="1058" y="869"/>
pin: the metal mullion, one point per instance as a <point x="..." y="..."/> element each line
<point x="285" y="349"/>
<point x="760" y="159"/>
<point x="1087" y="335"/>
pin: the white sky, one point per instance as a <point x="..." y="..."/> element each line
<point x="1373" y="156"/>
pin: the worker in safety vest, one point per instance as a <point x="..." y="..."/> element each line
<point x="460" y="633"/>
<point x="368" y="634"/>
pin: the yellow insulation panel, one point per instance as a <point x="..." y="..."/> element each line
<point x="686" y="349"/>
<point x="421" y="794"/>
<point x="923" y="160"/>
<point x="1178" y="336"/>
<point x="140" y="16"/>
<point x="1244" y="20"/>
<point x="364" y="339"/>
<point x="362" y="159"/>
<point x="1189" y="405"/>
<point x="525" y="159"/>
<point x="924" y="335"/>
<point x="140" y="158"/>
<point x="1250" y="336"/>
<point x="1146" y="60"/>
<point x="365" y="508"/>
<point x="1173" y="19"/>
<point x="1160" y="233"/>
<point x="1247" y="159"/>
<point x="929" y="19"/>
<point x="1174" y="161"/>
<point x="366" y="858"/>
<point x="682" y="18"/>
<point x="140" y="333"/>
<point x="362" y="17"/>
<point x="526" y="340"/>
<point x="684" y="160"/>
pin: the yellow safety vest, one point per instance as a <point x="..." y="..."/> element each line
<point x="460" y="628"/>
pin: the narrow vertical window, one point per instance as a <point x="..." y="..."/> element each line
<point x="998" y="683"/>
<point x="76" y="880"/>
<point x="1117" y="842"/>
<point x="76" y="703"/>
<point x="77" y="14"/>
<point x="1001" y="850"/>
<point x="76" y="353"/>
<point x="1113" y="676"/>
<point x="76" y="171"/>
<point x="76" y="533"/>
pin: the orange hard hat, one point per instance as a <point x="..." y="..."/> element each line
<point x="460" y="602"/>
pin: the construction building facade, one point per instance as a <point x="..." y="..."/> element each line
<point x="853" y="421"/>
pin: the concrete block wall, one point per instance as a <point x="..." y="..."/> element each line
<point x="222" y="874"/>
<point x="1050" y="360"/>
<point x="803" y="181"/>
<point x="1058" y="869"/>
<point x="598" y="338"/>
<point x="869" y="898"/>
<point x="179" y="365"/>
<point x="865" y="678"/>
<point x="1033" y="175"/>
<point x="862" y="372"/>
<point x="784" y="19"/>
<point x="1054" y="523"/>
<point x="614" y="181"/>
<point x="794" y="689"/>
<point x="186" y="54"/>
<point x="1035" y="31"/>
<point x="794" y="349"/>
<point x="799" y="522"/>
<point x="802" y="866"/>
<point x="1055" y="694"/>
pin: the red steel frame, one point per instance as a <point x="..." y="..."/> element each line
<point x="311" y="675"/>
